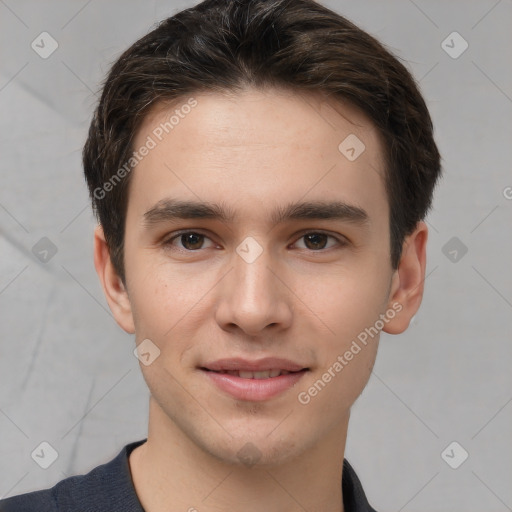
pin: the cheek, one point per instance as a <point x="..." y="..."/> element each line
<point x="345" y="301"/>
<point x="347" y="350"/>
<point x="160" y="295"/>
<point x="167" y="308"/>
<point x="348" y="308"/>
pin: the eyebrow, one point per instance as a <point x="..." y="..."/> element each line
<point x="170" y="209"/>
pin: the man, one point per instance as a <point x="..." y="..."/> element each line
<point x="260" y="171"/>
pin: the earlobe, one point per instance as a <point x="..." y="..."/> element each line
<point x="408" y="280"/>
<point x="113" y="287"/>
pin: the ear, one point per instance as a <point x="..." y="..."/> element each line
<point x="408" y="280"/>
<point x="113" y="287"/>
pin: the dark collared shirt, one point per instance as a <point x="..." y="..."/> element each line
<point x="109" y="488"/>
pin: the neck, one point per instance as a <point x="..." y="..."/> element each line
<point x="172" y="473"/>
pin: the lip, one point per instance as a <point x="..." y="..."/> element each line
<point x="267" y="363"/>
<point x="254" y="390"/>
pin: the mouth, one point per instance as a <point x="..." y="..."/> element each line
<point x="253" y="380"/>
<point x="263" y="374"/>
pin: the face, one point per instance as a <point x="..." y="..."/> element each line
<point x="269" y="279"/>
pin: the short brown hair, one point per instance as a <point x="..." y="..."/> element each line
<point x="226" y="45"/>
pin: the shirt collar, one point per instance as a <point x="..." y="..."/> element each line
<point x="354" y="498"/>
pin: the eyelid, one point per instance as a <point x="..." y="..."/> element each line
<point x="176" y="234"/>
<point x="337" y="236"/>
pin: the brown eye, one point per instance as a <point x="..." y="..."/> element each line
<point x="189" y="241"/>
<point x="192" y="241"/>
<point x="317" y="241"/>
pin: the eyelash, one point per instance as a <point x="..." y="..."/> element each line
<point x="168" y="241"/>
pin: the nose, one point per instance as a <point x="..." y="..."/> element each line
<point x="254" y="296"/>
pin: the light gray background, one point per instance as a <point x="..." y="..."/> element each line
<point x="68" y="374"/>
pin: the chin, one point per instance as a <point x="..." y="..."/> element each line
<point x="252" y="450"/>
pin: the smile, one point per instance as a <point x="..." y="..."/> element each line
<point x="254" y="386"/>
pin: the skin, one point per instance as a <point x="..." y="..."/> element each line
<point x="254" y="151"/>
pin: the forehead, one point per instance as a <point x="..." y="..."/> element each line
<point x="258" y="145"/>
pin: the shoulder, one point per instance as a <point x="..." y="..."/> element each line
<point x="42" y="501"/>
<point x="354" y="497"/>
<point x="106" y="487"/>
